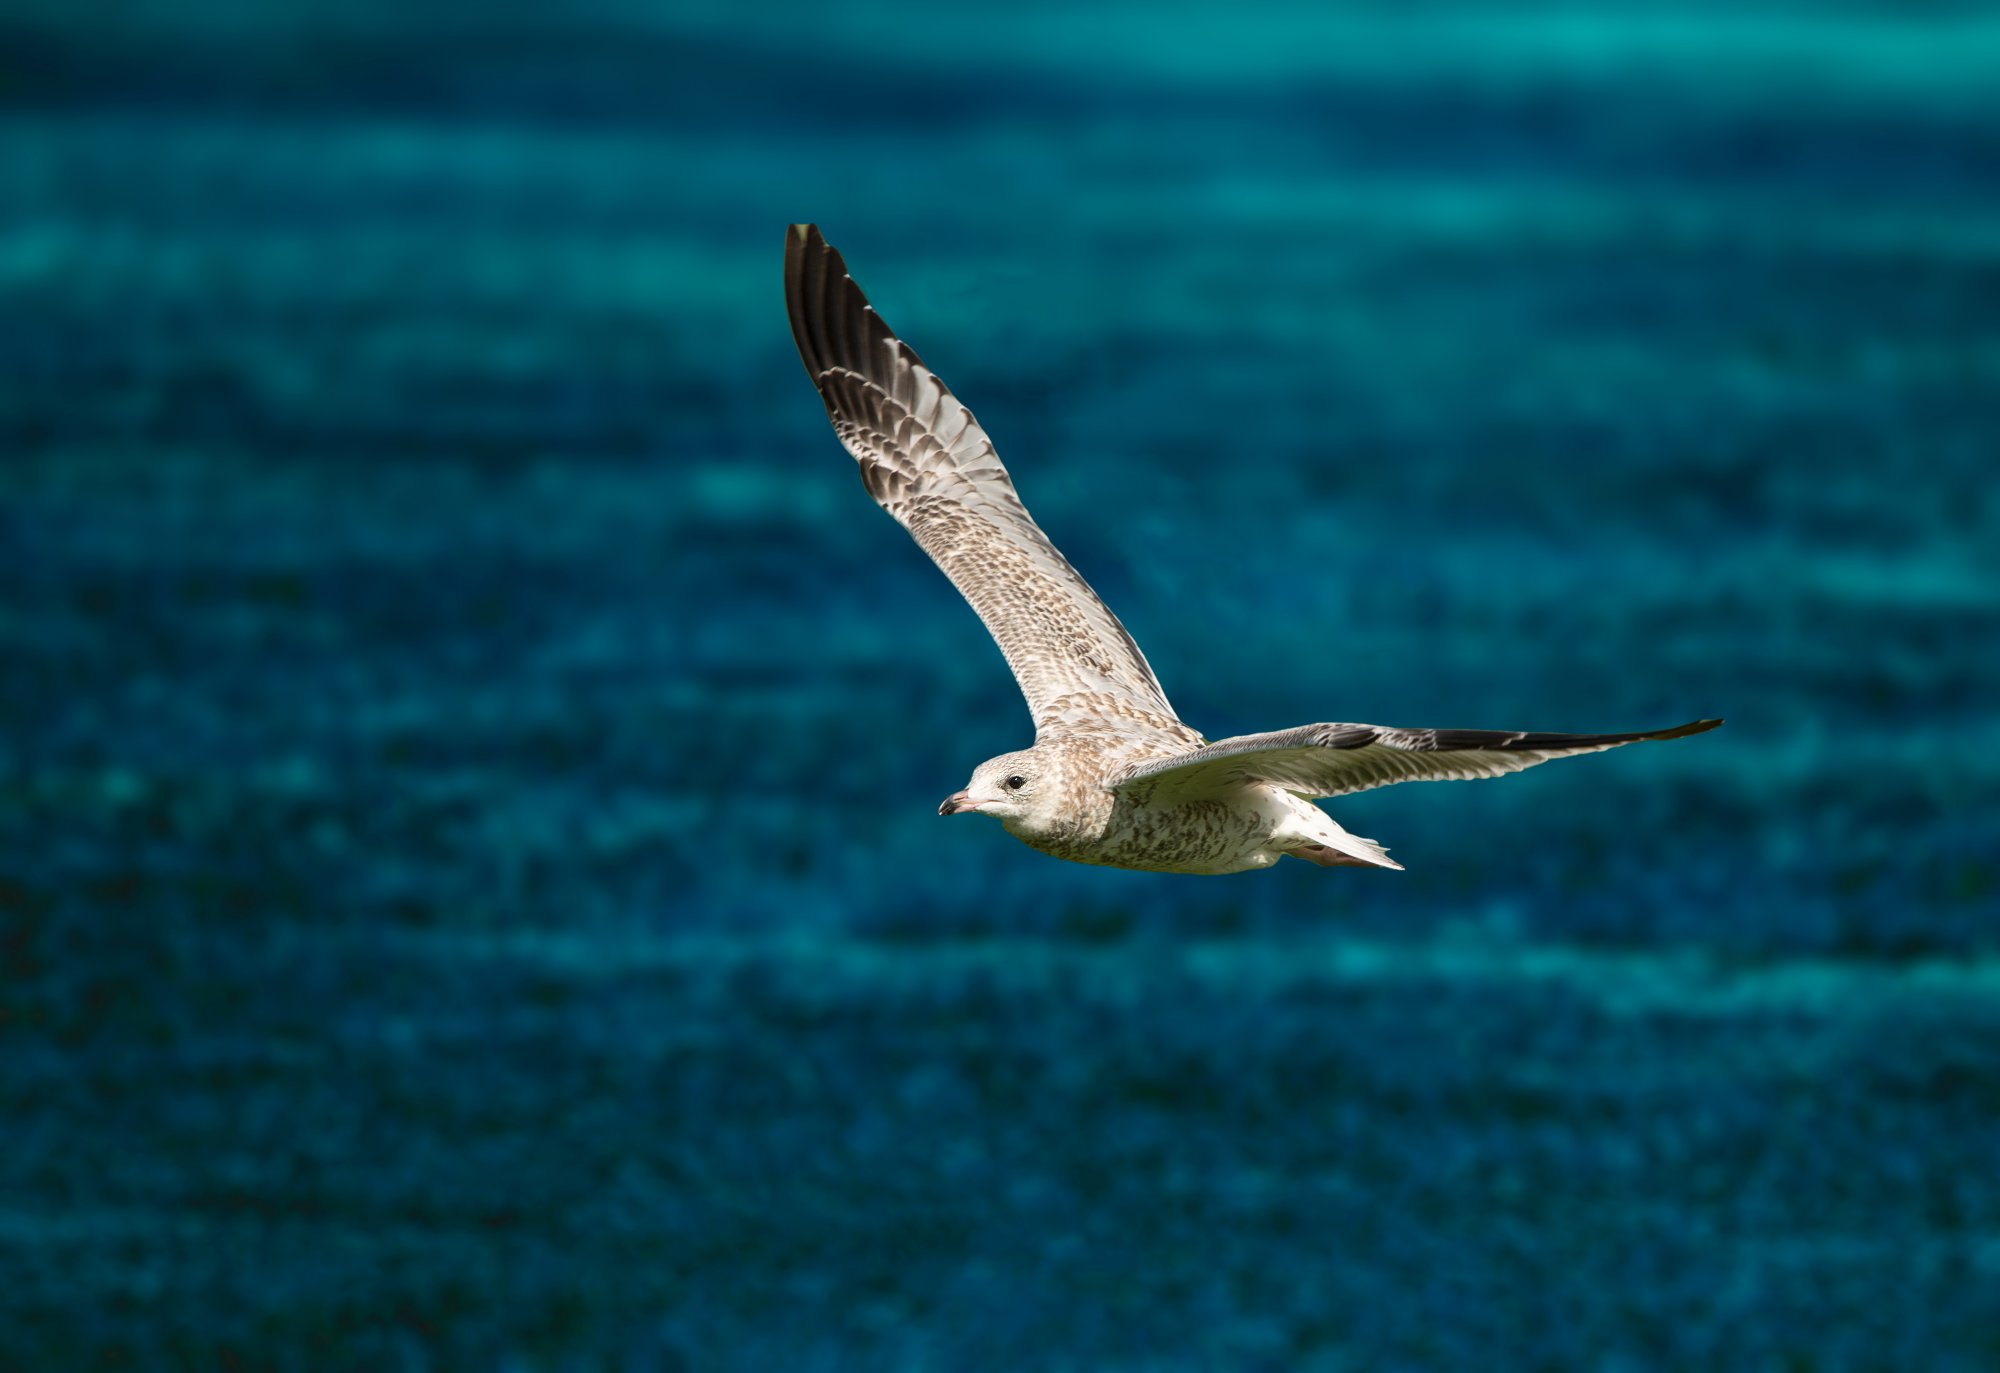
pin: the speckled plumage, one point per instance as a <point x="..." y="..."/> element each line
<point x="1114" y="776"/>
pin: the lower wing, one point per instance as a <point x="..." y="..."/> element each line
<point x="1333" y="760"/>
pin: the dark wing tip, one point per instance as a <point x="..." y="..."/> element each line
<point x="1558" y="742"/>
<point x="803" y="241"/>
<point x="1521" y="741"/>
<point x="832" y="322"/>
<point x="800" y="238"/>
<point x="812" y="285"/>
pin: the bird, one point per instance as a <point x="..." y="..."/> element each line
<point x="1114" y="777"/>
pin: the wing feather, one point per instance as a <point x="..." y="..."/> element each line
<point x="926" y="461"/>
<point x="1334" y="760"/>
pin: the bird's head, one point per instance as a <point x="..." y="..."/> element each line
<point x="1010" y="788"/>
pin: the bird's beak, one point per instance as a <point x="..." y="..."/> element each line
<point x="955" y="803"/>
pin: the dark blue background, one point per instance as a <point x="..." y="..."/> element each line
<point x="469" y="887"/>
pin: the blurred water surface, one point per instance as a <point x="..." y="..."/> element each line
<point x="470" y="888"/>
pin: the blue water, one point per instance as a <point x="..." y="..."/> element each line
<point x="470" y="892"/>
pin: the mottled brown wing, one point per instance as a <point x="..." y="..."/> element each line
<point x="928" y="463"/>
<point x="1333" y="760"/>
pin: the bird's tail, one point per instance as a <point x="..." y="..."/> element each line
<point x="1344" y="850"/>
<point x="1310" y="833"/>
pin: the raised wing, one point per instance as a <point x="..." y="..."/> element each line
<point x="1332" y="760"/>
<point x="928" y="463"/>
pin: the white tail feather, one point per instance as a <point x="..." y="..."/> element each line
<point x="1308" y="832"/>
<point x="1363" y="850"/>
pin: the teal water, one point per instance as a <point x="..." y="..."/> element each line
<point x="470" y="892"/>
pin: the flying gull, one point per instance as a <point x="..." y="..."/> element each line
<point x="1114" y="776"/>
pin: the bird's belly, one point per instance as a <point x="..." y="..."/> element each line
<point x="1203" y="837"/>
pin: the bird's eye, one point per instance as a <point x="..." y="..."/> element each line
<point x="1016" y="782"/>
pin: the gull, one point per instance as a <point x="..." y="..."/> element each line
<point x="1114" y="777"/>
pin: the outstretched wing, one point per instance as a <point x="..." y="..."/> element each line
<point x="928" y="463"/>
<point x="1332" y="760"/>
